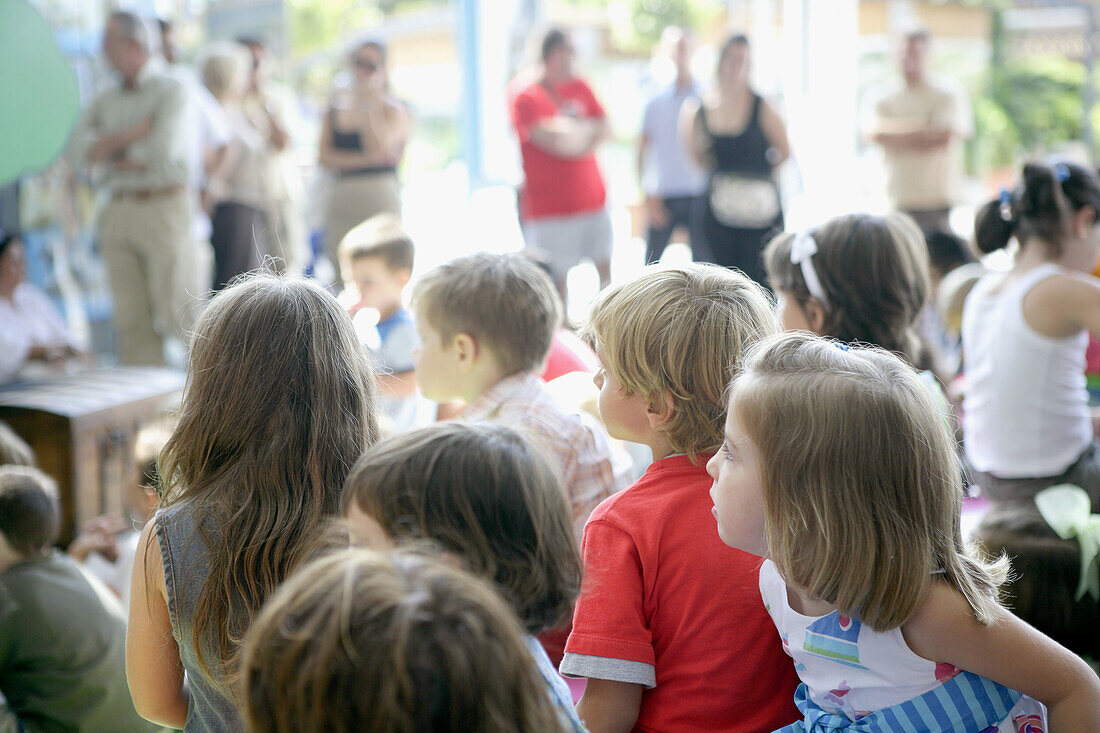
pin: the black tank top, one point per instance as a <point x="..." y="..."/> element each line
<point x="746" y="152"/>
<point x="342" y="140"/>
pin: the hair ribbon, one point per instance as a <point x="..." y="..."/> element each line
<point x="1061" y="170"/>
<point x="1066" y="508"/>
<point x="1005" y="208"/>
<point x="803" y="250"/>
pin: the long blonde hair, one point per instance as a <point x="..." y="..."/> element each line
<point x="862" y="483"/>
<point x="279" y="404"/>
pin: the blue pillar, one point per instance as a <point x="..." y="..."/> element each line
<point x="469" y="29"/>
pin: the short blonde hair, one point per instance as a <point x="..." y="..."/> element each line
<point x="681" y="330"/>
<point x="503" y="300"/>
<point x="397" y="642"/>
<point x="225" y="68"/>
<point x="381" y="236"/>
<point x="862" y="483"/>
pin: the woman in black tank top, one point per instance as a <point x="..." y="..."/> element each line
<point x="741" y="208"/>
<point x="363" y="138"/>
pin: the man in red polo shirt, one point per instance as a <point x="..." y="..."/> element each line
<point x="562" y="206"/>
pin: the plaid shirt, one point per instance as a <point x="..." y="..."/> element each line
<point x="591" y="468"/>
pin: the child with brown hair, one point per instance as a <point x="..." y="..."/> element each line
<point x="485" y="323"/>
<point x="837" y="465"/>
<point x="277" y="408"/>
<point x="485" y="495"/>
<point x="365" y="642"/>
<point x="376" y="263"/>
<point x="669" y="629"/>
<point x="62" y="635"/>
<point x="858" y="278"/>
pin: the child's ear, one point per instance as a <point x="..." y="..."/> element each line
<point x="403" y="275"/>
<point x="467" y="351"/>
<point x="815" y="315"/>
<point x="660" y="411"/>
<point x="1084" y="220"/>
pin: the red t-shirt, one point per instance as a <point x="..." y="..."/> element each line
<point x="662" y="589"/>
<point x="556" y="186"/>
<point x="568" y="354"/>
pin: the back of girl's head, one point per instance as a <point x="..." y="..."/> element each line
<point x="862" y="487"/>
<point x="400" y="643"/>
<point x="874" y="273"/>
<point x="278" y="406"/>
<point x="484" y="494"/>
<point x="1041" y="206"/>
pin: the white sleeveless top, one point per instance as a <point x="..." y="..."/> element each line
<point x="848" y="669"/>
<point x="1026" y="411"/>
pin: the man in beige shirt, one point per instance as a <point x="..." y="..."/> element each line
<point x="921" y="128"/>
<point x="134" y="135"/>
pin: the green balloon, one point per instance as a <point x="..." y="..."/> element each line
<point x="39" y="99"/>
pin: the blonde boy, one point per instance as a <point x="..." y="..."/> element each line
<point x="669" y="629"/>
<point x="376" y="262"/>
<point x="485" y="323"/>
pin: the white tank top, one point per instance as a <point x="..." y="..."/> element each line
<point x="1026" y="410"/>
<point x="849" y="669"/>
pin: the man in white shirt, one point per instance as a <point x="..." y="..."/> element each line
<point x="921" y="128"/>
<point x="135" y="134"/>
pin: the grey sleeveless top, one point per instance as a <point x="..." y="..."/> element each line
<point x="186" y="566"/>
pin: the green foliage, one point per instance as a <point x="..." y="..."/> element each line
<point x="1042" y="96"/>
<point x="318" y="24"/>
<point x="1034" y="105"/>
<point x="636" y="25"/>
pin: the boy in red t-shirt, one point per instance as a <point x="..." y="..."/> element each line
<point x="669" y="629"/>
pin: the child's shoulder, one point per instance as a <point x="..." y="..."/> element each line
<point x="668" y="486"/>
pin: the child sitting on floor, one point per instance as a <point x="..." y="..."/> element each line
<point x="364" y="642"/>
<point x="669" y="629"/>
<point x="838" y="467"/>
<point x="376" y="263"/>
<point x="62" y="634"/>
<point x="485" y="323"/>
<point x="487" y="497"/>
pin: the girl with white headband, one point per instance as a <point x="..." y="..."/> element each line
<point x="857" y="278"/>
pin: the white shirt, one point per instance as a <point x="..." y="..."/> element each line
<point x="29" y="319"/>
<point x="1026" y="405"/>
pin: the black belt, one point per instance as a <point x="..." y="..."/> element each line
<point x="366" y="171"/>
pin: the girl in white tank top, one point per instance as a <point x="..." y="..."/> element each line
<point x="1027" y="422"/>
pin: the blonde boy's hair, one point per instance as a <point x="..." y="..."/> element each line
<point x="503" y="300"/>
<point x="397" y="642"/>
<point x="381" y="236"/>
<point x="862" y="483"/>
<point x="680" y="330"/>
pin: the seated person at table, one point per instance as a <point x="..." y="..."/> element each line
<point x="62" y="635"/>
<point x="376" y="261"/>
<point x="33" y="330"/>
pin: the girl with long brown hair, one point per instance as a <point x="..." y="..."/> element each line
<point x="279" y="404"/>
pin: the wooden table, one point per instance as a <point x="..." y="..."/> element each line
<point x="83" y="427"/>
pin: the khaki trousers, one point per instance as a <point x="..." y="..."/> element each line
<point x="146" y="245"/>
<point x="354" y="199"/>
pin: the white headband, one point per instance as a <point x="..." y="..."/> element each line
<point x="803" y="249"/>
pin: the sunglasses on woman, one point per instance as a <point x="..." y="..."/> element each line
<point x="365" y="64"/>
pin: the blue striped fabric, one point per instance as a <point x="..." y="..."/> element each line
<point x="966" y="703"/>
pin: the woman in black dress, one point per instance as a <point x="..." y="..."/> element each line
<point x="740" y="139"/>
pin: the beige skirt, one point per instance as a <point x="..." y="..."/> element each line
<point x="354" y="199"/>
